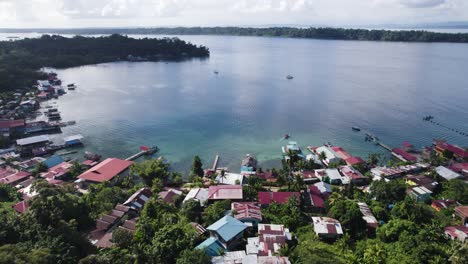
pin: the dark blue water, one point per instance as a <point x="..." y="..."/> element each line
<point x="186" y="109"/>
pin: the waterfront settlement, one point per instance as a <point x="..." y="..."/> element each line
<point x="324" y="205"/>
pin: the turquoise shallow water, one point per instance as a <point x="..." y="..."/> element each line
<point x="186" y="109"/>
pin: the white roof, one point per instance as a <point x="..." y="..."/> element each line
<point x="367" y="214"/>
<point x="447" y="173"/>
<point x="421" y="190"/>
<point x="333" y="174"/>
<point x="230" y="179"/>
<point x="321" y="225"/>
<point x="328" y="152"/>
<point x="74" y="137"/>
<point x="198" y="194"/>
<point x="229" y="257"/>
<point x="32" y="140"/>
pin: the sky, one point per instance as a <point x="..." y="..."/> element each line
<point x="154" y="13"/>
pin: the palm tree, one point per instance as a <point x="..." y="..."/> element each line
<point x="322" y="156"/>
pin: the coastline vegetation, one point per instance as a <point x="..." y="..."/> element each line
<point x="293" y="32"/>
<point x="21" y="60"/>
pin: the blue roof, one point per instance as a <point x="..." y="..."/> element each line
<point x="227" y="227"/>
<point x="53" y="161"/>
<point x="211" y="246"/>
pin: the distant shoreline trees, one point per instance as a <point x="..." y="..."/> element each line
<point x="21" y="60"/>
<point x="293" y="32"/>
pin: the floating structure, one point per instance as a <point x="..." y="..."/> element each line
<point x="144" y="150"/>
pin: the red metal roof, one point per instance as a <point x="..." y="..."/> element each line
<point x="404" y="154"/>
<point x="247" y="210"/>
<point x="277" y="197"/>
<point x="316" y="196"/>
<point x="58" y="170"/>
<point x="225" y="192"/>
<point x="459" y="167"/>
<point x="341" y="153"/>
<point x="21" y="207"/>
<point x="452" y="148"/>
<point x="15" y="177"/>
<point x="11" y="123"/>
<point x="354" y="160"/>
<point x="106" y="170"/>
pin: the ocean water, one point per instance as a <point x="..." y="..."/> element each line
<point x="186" y="109"/>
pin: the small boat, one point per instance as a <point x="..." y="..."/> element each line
<point x="71" y="86"/>
<point x="91" y="156"/>
<point x="216" y="72"/>
<point x="289" y="77"/>
<point x="355" y="128"/>
<point x="286" y="136"/>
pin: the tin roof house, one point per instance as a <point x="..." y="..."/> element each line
<point x="224" y="234"/>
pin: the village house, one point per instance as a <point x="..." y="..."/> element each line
<point x="442" y="204"/>
<point x="331" y="176"/>
<point x="137" y="200"/>
<point x="269" y="175"/>
<point x="11" y="127"/>
<point x="309" y="177"/>
<point x="249" y="165"/>
<point x="13" y="177"/>
<point x="32" y="145"/>
<point x="457" y="232"/>
<point x="269" y="241"/>
<point x="170" y="195"/>
<point x="352" y="175"/>
<point x="101" y="236"/>
<point x="442" y="148"/>
<point x="227" y="231"/>
<point x="234" y="257"/>
<point x="21" y="207"/>
<point x="368" y="217"/>
<point x="58" y="172"/>
<point x="53" y="161"/>
<point x="324" y="188"/>
<point x="419" y="193"/>
<point x="462" y="212"/>
<point x="273" y="260"/>
<point x="247" y="212"/>
<point x="108" y="170"/>
<point x="461" y="168"/>
<point x="313" y="199"/>
<point x="447" y="174"/>
<point x="231" y="179"/>
<point x="421" y="180"/>
<point x="197" y="194"/>
<point x="30" y="164"/>
<point x="225" y="192"/>
<point x="330" y="155"/>
<point x="348" y="158"/>
<point x="267" y="198"/>
<point x="401" y="154"/>
<point x="327" y="228"/>
<point x="386" y="172"/>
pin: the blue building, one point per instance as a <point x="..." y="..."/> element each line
<point x="226" y="232"/>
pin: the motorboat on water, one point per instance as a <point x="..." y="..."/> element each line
<point x="286" y="136"/>
<point x="355" y="128"/>
<point x="289" y="77"/>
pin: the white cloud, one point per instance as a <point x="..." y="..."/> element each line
<point x="92" y="13"/>
<point x="422" y="3"/>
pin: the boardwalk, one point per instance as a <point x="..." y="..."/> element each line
<point x="215" y="163"/>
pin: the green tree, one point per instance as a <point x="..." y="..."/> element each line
<point x="16" y="254"/>
<point x="215" y="211"/>
<point x="350" y="217"/>
<point x="388" y="192"/>
<point x="192" y="210"/>
<point x="193" y="256"/>
<point x="316" y="252"/>
<point x="288" y="214"/>
<point x="455" y="189"/>
<point x="8" y="193"/>
<point x="149" y="170"/>
<point x="122" y="237"/>
<point x="197" y="167"/>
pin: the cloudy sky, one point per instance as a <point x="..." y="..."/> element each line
<point x="131" y="13"/>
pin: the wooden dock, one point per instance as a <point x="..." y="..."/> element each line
<point x="142" y="153"/>
<point x="215" y="163"/>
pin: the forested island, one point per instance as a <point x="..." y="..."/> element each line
<point x="20" y="60"/>
<point x="293" y="32"/>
